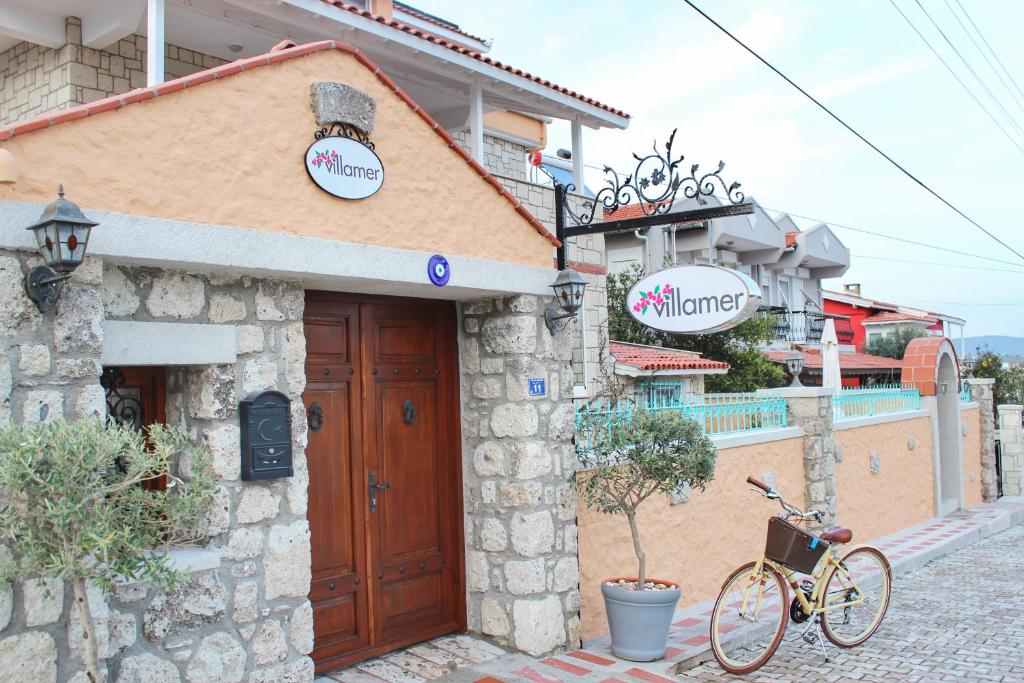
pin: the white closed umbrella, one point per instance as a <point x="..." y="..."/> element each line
<point x="830" y="374"/>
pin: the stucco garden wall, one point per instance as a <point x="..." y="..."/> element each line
<point x="242" y="611"/>
<point x="695" y="543"/>
<point x="885" y="477"/>
<point x="970" y="420"/>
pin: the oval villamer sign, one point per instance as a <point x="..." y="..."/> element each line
<point x="344" y="167"/>
<point x="694" y="299"/>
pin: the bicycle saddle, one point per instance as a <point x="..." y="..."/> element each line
<point x="836" y="534"/>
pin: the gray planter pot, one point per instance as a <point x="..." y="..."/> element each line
<point x="639" y="620"/>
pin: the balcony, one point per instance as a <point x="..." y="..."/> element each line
<point x="804" y="327"/>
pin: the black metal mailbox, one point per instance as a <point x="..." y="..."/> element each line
<point x="266" y="424"/>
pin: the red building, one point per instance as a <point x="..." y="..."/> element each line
<point x="870" y="317"/>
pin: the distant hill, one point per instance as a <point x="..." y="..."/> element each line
<point x="1008" y="347"/>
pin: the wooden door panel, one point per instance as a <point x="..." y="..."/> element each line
<point x="410" y="514"/>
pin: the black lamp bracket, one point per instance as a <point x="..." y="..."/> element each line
<point x="555" y="319"/>
<point x="43" y="285"/>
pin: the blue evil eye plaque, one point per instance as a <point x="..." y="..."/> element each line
<point x="438" y="270"/>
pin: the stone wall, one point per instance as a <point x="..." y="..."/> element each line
<point x="243" y="610"/>
<point x="36" y="79"/>
<point x="1011" y="438"/>
<point x="981" y="393"/>
<point x="501" y="157"/>
<point x="810" y="408"/>
<point x="522" y="572"/>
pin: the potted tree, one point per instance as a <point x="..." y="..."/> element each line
<point x="627" y="454"/>
<point x="73" y="507"/>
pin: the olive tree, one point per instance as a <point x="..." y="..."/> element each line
<point x="631" y="452"/>
<point x="74" y="507"/>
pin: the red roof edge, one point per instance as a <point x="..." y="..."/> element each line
<point x="273" y="57"/>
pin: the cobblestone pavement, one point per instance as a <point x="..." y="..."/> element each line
<point x="956" y="619"/>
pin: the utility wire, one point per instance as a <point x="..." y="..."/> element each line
<point x="985" y="56"/>
<point x="996" y="56"/>
<point x="854" y="132"/>
<point x="956" y="76"/>
<point x="933" y="263"/>
<point x="970" y="68"/>
<point x="833" y="224"/>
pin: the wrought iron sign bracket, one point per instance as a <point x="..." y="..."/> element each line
<point x="655" y="185"/>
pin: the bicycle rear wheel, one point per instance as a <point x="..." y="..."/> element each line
<point x="863" y="578"/>
<point x="749" y="618"/>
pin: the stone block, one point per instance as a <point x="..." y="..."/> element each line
<point x="520" y="495"/>
<point x="515" y="420"/>
<point x="225" y="308"/>
<point x="6" y="386"/>
<point x="525" y="577"/>
<point x="248" y="339"/>
<point x="34" y="359"/>
<point x="245" y="602"/>
<point x="256" y="504"/>
<point x="91" y="402"/>
<point x="469" y="356"/>
<point x="562" y="422"/>
<point x="487" y="388"/>
<point x="224" y="446"/>
<point x="78" y="322"/>
<point x="530" y="459"/>
<point x="211" y="391"/>
<point x="147" y="668"/>
<point x="18" y="313"/>
<point x="258" y="374"/>
<point x="539" y="625"/>
<point x="334" y="102"/>
<point x="297" y="671"/>
<point x="493" y="618"/>
<point x="566" y="574"/>
<point x="286" y="561"/>
<point x="219" y="659"/>
<point x="518" y="373"/>
<point x="493" y="536"/>
<point x="510" y="335"/>
<point x="492" y="366"/>
<point x="176" y="295"/>
<point x="524" y="303"/>
<point x="476" y="572"/>
<point x="243" y="543"/>
<point x="79" y="368"/>
<point x="293" y="352"/>
<point x="44" y="601"/>
<point x="29" y="657"/>
<point x="533" y="533"/>
<point x="219" y="516"/>
<point x="269" y="644"/>
<point x="489" y="459"/>
<point x="199" y="601"/>
<point x="300" y="629"/>
<point x="279" y="300"/>
<point x="43" y="405"/>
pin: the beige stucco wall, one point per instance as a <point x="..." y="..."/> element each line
<point x="513" y="123"/>
<point x="696" y="543"/>
<point x="901" y="494"/>
<point x="230" y="152"/>
<point x="971" y="452"/>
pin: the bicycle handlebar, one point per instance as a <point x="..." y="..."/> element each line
<point x="759" y="484"/>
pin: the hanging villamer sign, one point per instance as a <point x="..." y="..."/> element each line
<point x="344" y="167"/>
<point x="694" y="299"/>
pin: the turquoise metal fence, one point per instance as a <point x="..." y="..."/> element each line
<point x="851" y="403"/>
<point x="965" y="393"/>
<point x="718" y="415"/>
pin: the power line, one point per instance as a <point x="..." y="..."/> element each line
<point x="970" y="68"/>
<point x="996" y="56"/>
<point x="873" y="233"/>
<point x="933" y="263"/>
<point x="978" y="47"/>
<point x="956" y="76"/>
<point x="854" y="132"/>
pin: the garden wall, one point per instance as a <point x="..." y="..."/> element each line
<point x="885" y="476"/>
<point x="970" y="422"/>
<point x="698" y="540"/>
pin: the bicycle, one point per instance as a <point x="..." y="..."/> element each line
<point x="847" y="592"/>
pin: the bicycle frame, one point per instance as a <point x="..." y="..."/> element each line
<point x="828" y="565"/>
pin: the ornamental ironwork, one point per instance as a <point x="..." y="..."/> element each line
<point x="655" y="184"/>
<point x="343" y="130"/>
<point x="124" y="403"/>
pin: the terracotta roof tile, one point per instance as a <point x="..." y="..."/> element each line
<point x="847" y="361"/>
<point x="657" y="358"/>
<point x="895" y="317"/>
<point x="791" y="238"/>
<point x="430" y="37"/>
<point x="238" y="66"/>
<point x="430" y="19"/>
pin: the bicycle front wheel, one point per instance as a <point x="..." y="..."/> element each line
<point x="749" y="618"/>
<point x="856" y="597"/>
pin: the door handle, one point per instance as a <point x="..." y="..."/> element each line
<point x="374" y="485"/>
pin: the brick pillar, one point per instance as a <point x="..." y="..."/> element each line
<point x="810" y="408"/>
<point x="1012" y="438"/>
<point x="981" y="393"/>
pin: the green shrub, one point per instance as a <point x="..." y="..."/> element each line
<point x="656" y="451"/>
<point x="73" y="506"/>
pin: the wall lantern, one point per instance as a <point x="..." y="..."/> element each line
<point x="62" y="234"/>
<point x="794" y="364"/>
<point x="970" y="362"/>
<point x="569" y="287"/>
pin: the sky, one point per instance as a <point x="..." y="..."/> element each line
<point x="670" y="68"/>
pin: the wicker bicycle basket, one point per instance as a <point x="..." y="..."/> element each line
<point x="792" y="546"/>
